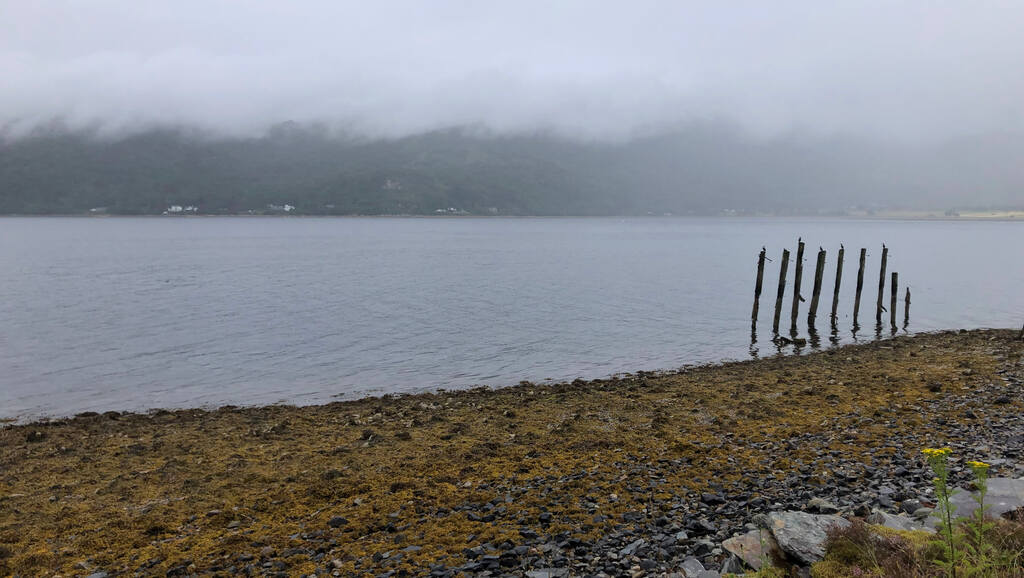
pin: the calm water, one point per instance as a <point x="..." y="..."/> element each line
<point x="99" y="314"/>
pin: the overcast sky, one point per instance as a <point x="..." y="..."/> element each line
<point x="599" y="69"/>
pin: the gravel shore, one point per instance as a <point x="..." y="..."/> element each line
<point x="622" y="476"/>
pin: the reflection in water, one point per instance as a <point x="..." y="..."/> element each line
<point x="815" y="339"/>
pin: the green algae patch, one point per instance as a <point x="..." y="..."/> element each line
<point x="362" y="481"/>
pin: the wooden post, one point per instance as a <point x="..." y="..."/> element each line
<point x="757" y="288"/>
<point x="819" y="272"/>
<point x="839" y="280"/>
<point x="892" y="300"/>
<point x="906" y="309"/>
<point x="881" y="284"/>
<point x="797" y="276"/>
<point x="860" y="285"/>
<point x="782" y="289"/>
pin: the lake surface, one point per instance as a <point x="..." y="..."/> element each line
<point x="132" y="314"/>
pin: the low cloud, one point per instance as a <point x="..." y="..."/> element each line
<point x="910" y="71"/>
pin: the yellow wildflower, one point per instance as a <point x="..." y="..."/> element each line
<point x="977" y="465"/>
<point x="937" y="452"/>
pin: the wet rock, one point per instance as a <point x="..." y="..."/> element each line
<point x="802" y="535"/>
<point x="337" y="522"/>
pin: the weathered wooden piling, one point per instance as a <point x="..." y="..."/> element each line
<point x="860" y="285"/>
<point x="881" y="284"/>
<point x="757" y="288"/>
<point x="819" y="272"/>
<point x="782" y="289"/>
<point x="839" y="280"/>
<point x="892" y="299"/>
<point x="797" y="277"/>
<point x="906" y="309"/>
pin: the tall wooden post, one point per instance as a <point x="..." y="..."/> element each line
<point x="797" y="276"/>
<point x="819" y="272"/>
<point x="757" y="288"/>
<point x="906" y="309"/>
<point x="860" y="285"/>
<point x="839" y="280"/>
<point x="892" y="300"/>
<point x="881" y="285"/>
<point x="782" y="289"/>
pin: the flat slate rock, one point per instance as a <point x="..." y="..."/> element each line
<point x="896" y="522"/>
<point x="754" y="548"/>
<point x="1004" y="494"/>
<point x="548" y="573"/>
<point x="802" y="535"/>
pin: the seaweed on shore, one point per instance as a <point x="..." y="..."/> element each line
<point x="406" y="482"/>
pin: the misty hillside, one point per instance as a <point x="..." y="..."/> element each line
<point x="700" y="170"/>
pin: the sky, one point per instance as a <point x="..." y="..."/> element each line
<point x="910" y="70"/>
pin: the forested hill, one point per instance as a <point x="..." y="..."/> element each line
<point x="700" y="170"/>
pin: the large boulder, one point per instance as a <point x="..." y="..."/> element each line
<point x="802" y="535"/>
<point x="1004" y="495"/>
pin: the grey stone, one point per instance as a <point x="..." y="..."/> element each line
<point x="922" y="513"/>
<point x="733" y="565"/>
<point x="1004" y="494"/>
<point x="802" y="535"/>
<point x="548" y="573"/>
<point x="754" y="547"/>
<point x="628" y="550"/>
<point x="896" y="522"/>
<point x="820" y="506"/>
<point x="899" y="521"/>
<point x="98" y="575"/>
<point x="692" y="567"/>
